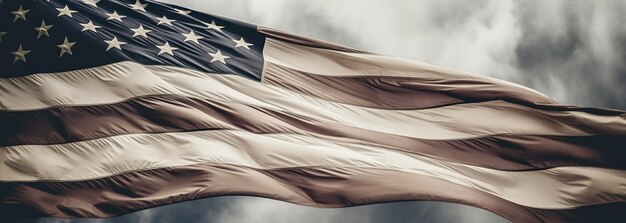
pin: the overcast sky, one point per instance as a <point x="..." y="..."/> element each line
<point x="572" y="51"/>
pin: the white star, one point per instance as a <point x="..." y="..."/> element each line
<point x="218" y="57"/>
<point x="91" y="2"/>
<point x="182" y="12"/>
<point x="242" y="43"/>
<point x="20" y="14"/>
<point x="90" y="26"/>
<point x="213" y="26"/>
<point x="141" y="31"/>
<point x="114" y="43"/>
<point x="20" y="54"/>
<point x="115" y="16"/>
<point x="66" y="47"/>
<point x="191" y="36"/>
<point x="65" y="11"/>
<point x="166" y="48"/>
<point x="164" y="20"/>
<point x="138" y="6"/>
<point x="2" y="34"/>
<point x="43" y="29"/>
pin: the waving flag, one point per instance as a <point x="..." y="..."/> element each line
<point x="113" y="106"/>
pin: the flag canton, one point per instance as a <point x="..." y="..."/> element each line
<point x="40" y="36"/>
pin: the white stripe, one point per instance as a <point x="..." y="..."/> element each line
<point x="450" y="122"/>
<point x="100" y="85"/>
<point x="341" y="64"/>
<point x="556" y="188"/>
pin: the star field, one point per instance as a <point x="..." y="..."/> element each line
<point x="39" y="36"/>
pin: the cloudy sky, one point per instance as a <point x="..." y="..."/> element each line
<point x="573" y="51"/>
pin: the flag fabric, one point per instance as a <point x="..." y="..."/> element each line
<point x="113" y="106"/>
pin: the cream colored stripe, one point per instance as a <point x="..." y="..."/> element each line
<point x="562" y="187"/>
<point x="449" y="122"/>
<point x="99" y="85"/>
<point x="340" y="64"/>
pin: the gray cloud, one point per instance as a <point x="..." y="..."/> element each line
<point x="571" y="50"/>
<point x="255" y="210"/>
<point x="574" y="51"/>
<point x="250" y="209"/>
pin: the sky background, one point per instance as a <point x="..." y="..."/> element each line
<point x="573" y="51"/>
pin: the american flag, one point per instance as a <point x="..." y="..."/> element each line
<point x="113" y="106"/>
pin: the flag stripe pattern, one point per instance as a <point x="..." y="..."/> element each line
<point x="157" y="114"/>
<point x="109" y="107"/>
<point x="130" y="152"/>
<point x="111" y="196"/>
